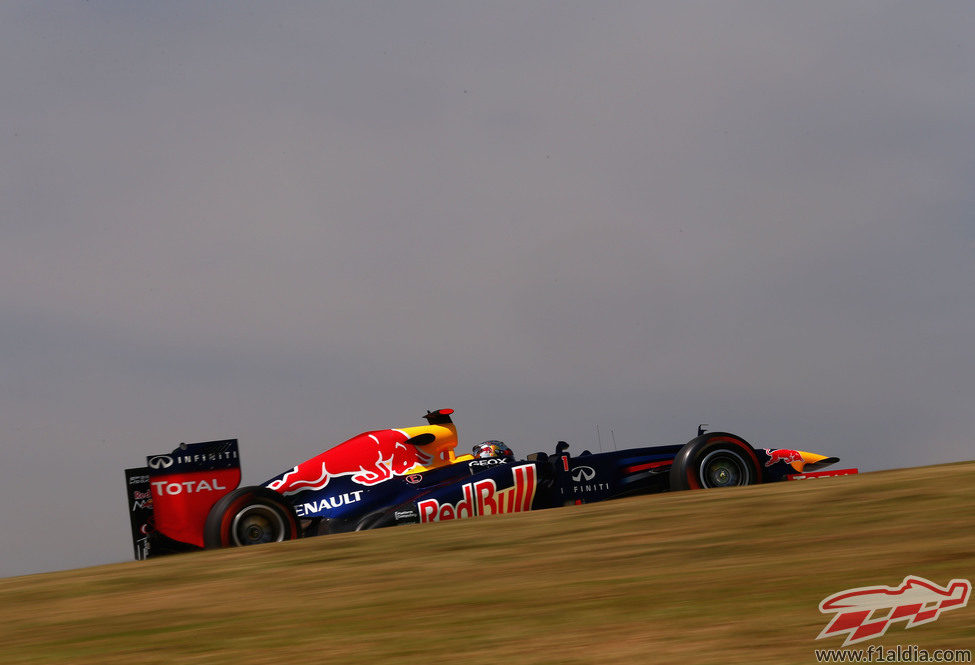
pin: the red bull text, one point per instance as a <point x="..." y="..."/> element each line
<point x="484" y="498"/>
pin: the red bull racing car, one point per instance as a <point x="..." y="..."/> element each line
<point x="189" y="498"/>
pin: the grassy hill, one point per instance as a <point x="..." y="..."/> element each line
<point x="723" y="576"/>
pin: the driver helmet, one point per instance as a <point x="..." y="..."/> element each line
<point x="492" y="449"/>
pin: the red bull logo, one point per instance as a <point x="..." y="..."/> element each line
<point x="370" y="458"/>
<point x="782" y="455"/>
<point x="916" y="601"/>
<point x="484" y="498"/>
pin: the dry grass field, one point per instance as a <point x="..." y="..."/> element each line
<point x="723" y="576"/>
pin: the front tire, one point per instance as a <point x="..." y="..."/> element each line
<point x="715" y="459"/>
<point x="250" y="516"/>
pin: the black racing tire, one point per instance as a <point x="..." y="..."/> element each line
<point x="715" y="459"/>
<point x="250" y="516"/>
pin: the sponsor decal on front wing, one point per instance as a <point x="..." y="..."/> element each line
<point x="782" y="455"/>
<point x="483" y="497"/>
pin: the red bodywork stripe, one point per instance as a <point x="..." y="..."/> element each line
<point x="519" y="487"/>
<point x="644" y="467"/>
<point x="530" y="488"/>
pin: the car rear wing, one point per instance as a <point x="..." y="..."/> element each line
<point x="170" y="497"/>
<point x="140" y="509"/>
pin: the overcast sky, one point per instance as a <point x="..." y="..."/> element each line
<point x="292" y="222"/>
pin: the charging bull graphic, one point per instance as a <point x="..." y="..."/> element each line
<point x="370" y="458"/>
<point x="915" y="601"/>
<point x="783" y="455"/>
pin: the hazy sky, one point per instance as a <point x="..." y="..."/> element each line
<point x="292" y="222"/>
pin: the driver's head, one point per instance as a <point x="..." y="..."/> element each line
<point x="492" y="449"/>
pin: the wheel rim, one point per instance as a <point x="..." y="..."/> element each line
<point x="257" y="524"/>
<point x="724" y="468"/>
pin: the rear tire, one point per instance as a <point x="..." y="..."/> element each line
<point x="250" y="516"/>
<point x="715" y="459"/>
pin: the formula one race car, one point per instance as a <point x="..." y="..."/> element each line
<point x="189" y="499"/>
